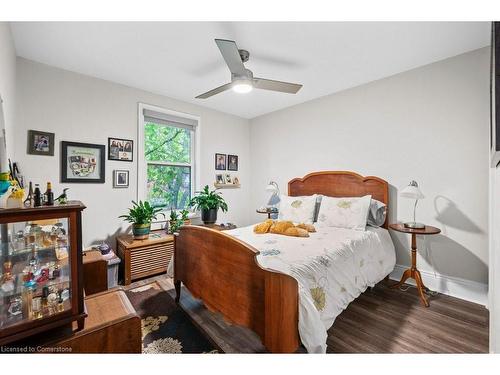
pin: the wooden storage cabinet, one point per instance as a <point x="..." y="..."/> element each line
<point x="142" y="258"/>
<point x="40" y="269"/>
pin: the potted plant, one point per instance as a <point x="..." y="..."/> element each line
<point x="185" y="217"/>
<point x="141" y="215"/>
<point x="208" y="202"/>
<point x="174" y="223"/>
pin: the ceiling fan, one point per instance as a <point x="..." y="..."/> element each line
<point x="242" y="79"/>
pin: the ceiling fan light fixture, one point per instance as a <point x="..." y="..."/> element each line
<point x="242" y="86"/>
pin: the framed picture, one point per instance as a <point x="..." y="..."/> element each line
<point x="82" y="162"/>
<point x="220" y="162"/>
<point x="120" y="149"/>
<point x="232" y="162"/>
<point x="228" y="179"/>
<point x="219" y="179"/>
<point x="120" y="179"/>
<point x="236" y="180"/>
<point x="40" y="143"/>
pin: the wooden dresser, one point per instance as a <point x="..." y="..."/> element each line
<point x="142" y="258"/>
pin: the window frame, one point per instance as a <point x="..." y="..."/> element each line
<point x="142" y="163"/>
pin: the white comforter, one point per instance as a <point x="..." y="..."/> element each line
<point x="333" y="266"/>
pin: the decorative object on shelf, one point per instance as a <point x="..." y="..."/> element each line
<point x="4" y="182"/>
<point x="28" y="202"/>
<point x="48" y="197"/>
<point x="32" y="275"/>
<point x="236" y="180"/>
<point x="120" y="149"/>
<point x="219" y="179"/>
<point x="413" y="192"/>
<point x="141" y="215"/>
<point x="104" y="248"/>
<point x="208" y="202"/>
<point x="37" y="196"/>
<point x="232" y="162"/>
<point x="120" y="178"/>
<point x="40" y="143"/>
<point x="273" y="188"/>
<point x="82" y="162"/>
<point x="63" y="198"/>
<point x="15" y="199"/>
<point x="220" y="162"/>
<point x="228" y="179"/>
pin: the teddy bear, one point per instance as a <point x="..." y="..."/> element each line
<point x="284" y="227"/>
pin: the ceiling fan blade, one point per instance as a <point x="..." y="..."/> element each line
<point x="269" y="84"/>
<point x="215" y="91"/>
<point x="231" y="55"/>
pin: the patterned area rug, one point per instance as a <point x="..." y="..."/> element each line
<point x="165" y="327"/>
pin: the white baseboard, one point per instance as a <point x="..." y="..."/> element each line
<point x="468" y="290"/>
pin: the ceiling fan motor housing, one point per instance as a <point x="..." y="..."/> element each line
<point x="244" y="54"/>
<point x="247" y="77"/>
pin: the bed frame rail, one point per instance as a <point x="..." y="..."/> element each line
<point x="223" y="272"/>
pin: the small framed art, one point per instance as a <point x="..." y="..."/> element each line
<point x="82" y="162"/>
<point x="228" y="179"/>
<point x="219" y="179"/>
<point x="40" y="143"/>
<point x="120" y="149"/>
<point x="120" y="178"/>
<point x="220" y="162"/>
<point x="232" y="162"/>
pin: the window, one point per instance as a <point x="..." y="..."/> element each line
<point x="167" y="158"/>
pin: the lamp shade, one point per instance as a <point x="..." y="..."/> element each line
<point x="272" y="187"/>
<point x="412" y="191"/>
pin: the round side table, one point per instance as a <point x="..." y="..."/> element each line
<point x="413" y="272"/>
<point x="269" y="212"/>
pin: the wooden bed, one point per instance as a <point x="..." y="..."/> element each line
<point x="224" y="273"/>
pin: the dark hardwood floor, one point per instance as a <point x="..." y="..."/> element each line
<point x="381" y="320"/>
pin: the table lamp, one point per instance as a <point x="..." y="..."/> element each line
<point x="272" y="187"/>
<point x="413" y="192"/>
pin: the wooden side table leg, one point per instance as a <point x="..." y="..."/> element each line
<point x="406" y="276"/>
<point x="421" y="288"/>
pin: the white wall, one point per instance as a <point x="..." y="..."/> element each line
<point x="84" y="109"/>
<point x="7" y="86"/>
<point x="430" y="124"/>
<point x="494" y="261"/>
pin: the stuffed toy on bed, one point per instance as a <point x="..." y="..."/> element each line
<point x="284" y="227"/>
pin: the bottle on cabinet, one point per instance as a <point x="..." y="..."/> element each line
<point x="49" y="195"/>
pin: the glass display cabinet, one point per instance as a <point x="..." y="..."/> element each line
<point x="40" y="269"/>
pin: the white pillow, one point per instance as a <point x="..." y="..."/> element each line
<point x="297" y="209"/>
<point x="351" y="213"/>
<point x="377" y="214"/>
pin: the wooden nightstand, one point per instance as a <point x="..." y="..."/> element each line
<point x="141" y="258"/>
<point x="413" y="272"/>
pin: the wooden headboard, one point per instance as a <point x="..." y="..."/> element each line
<point x="341" y="184"/>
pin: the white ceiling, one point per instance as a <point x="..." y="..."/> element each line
<point x="181" y="60"/>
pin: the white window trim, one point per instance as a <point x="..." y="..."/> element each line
<point x="141" y="160"/>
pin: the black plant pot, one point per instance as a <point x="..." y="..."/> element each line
<point x="209" y="216"/>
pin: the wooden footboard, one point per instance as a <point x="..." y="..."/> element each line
<point x="223" y="272"/>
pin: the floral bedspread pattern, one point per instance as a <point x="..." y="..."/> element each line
<point x="333" y="267"/>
